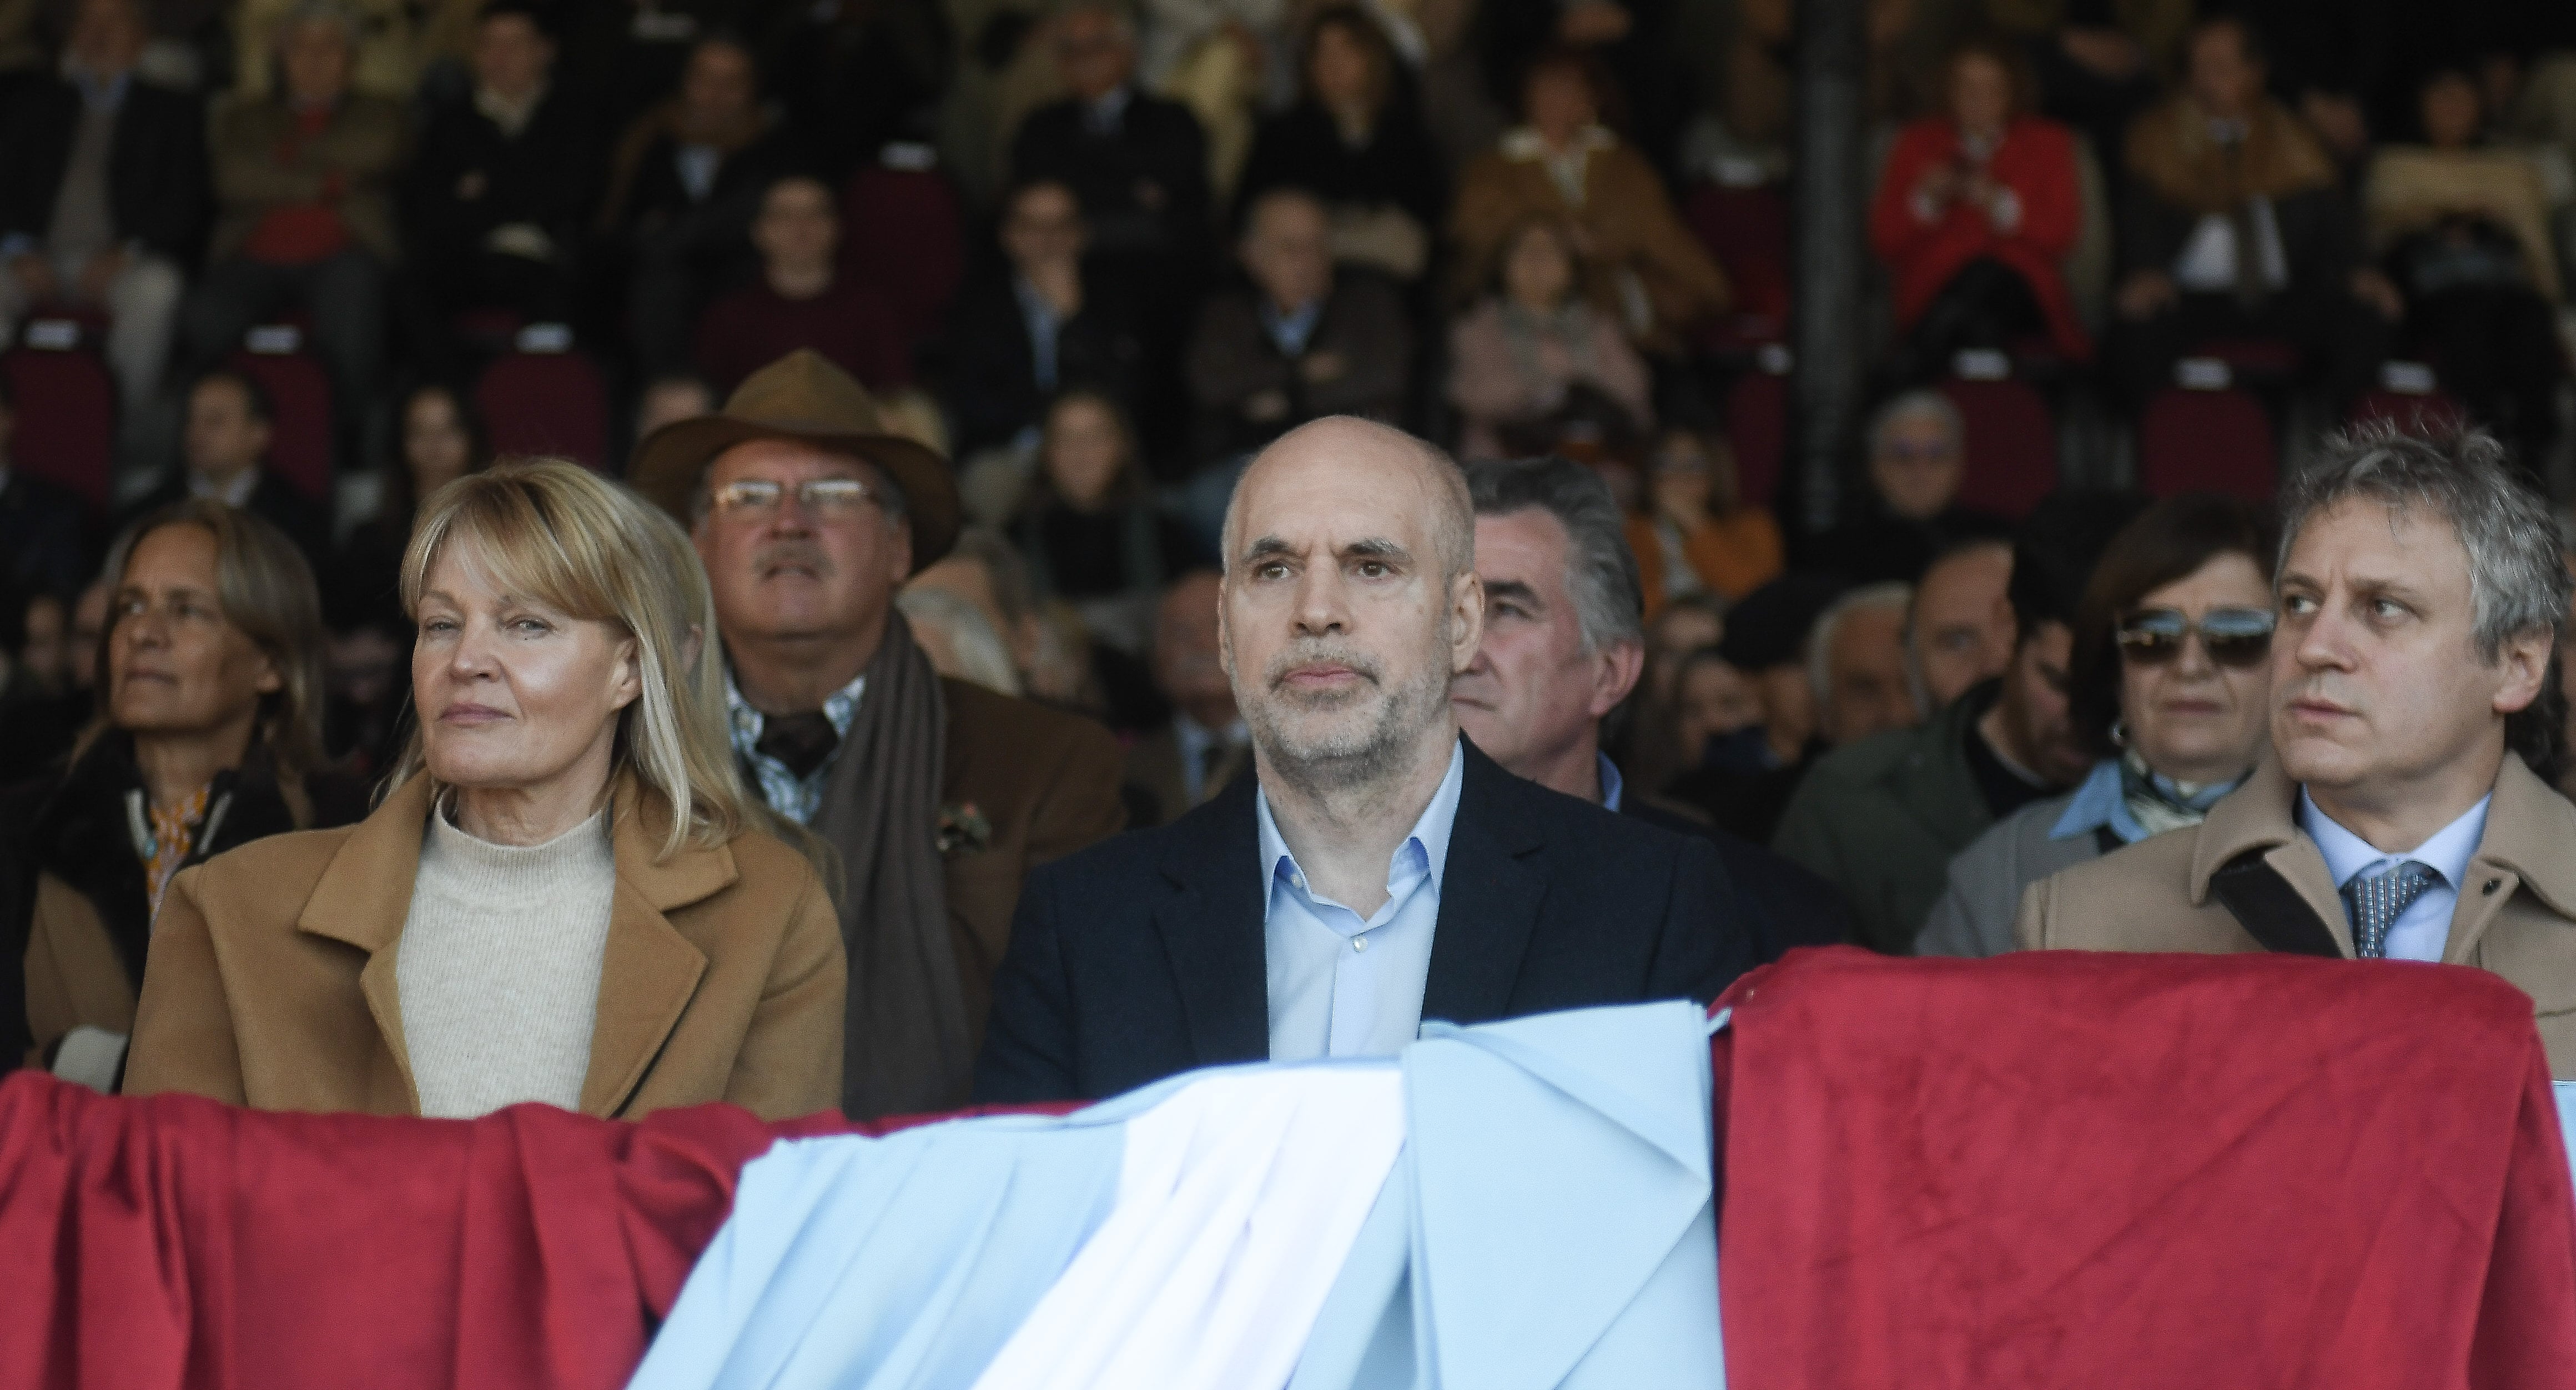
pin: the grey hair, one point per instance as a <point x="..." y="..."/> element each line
<point x="1820" y="641"/>
<point x="1600" y="569"/>
<point x="2517" y="576"/>
<point x="1913" y="403"/>
<point x="2518" y="580"/>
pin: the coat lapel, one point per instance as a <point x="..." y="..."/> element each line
<point x="2530" y="828"/>
<point x="1211" y="925"/>
<point x="1490" y="894"/>
<point x="649" y="970"/>
<point x="362" y="899"/>
<point x="2251" y="857"/>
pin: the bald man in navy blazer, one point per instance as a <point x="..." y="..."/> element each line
<point x="1377" y="870"/>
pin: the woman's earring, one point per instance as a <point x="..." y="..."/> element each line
<point x="2119" y="734"/>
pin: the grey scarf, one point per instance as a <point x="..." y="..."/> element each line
<point x="905" y="1047"/>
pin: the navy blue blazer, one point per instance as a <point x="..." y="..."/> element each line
<point x="1144" y="955"/>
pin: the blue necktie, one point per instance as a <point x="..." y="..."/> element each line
<point x="2376" y="903"/>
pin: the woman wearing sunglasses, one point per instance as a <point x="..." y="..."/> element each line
<point x="2170" y="684"/>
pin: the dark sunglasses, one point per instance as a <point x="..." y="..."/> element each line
<point x="2231" y="636"/>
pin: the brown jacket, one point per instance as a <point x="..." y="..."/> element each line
<point x="1046" y="783"/>
<point x="1626" y="216"/>
<point x="271" y="978"/>
<point x="350" y="167"/>
<point x="2516" y="914"/>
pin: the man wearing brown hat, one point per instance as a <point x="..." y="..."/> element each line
<point x="938" y="796"/>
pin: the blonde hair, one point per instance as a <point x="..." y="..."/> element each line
<point x="565" y="537"/>
<point x="265" y="589"/>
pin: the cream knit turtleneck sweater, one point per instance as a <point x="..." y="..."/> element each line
<point x="499" y="966"/>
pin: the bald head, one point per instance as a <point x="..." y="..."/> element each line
<point x="1349" y="602"/>
<point x="1395" y="473"/>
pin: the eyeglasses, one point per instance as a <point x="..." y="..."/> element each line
<point x="2236" y="637"/>
<point x="828" y="498"/>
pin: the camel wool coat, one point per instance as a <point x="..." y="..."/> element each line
<point x="2248" y="879"/>
<point x="271" y="984"/>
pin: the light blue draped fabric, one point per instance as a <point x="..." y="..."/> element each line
<point x="1554" y="1224"/>
<point x="2565" y="1092"/>
<point x="1549" y="1224"/>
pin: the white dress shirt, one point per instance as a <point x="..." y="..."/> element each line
<point x="1341" y="987"/>
<point x="2424" y="928"/>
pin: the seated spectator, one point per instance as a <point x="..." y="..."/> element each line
<point x="1299" y="342"/>
<point x="1137" y="164"/>
<point x="304" y="182"/>
<point x="1742" y="782"/>
<point x="1882" y="818"/>
<point x="225" y="446"/>
<point x="1959" y="633"/>
<point x="1857" y="662"/>
<point x="526" y="863"/>
<point x="852" y="75"/>
<point x="1918" y="453"/>
<point x="1090" y="529"/>
<point x="1039" y="323"/>
<point x="2398" y="815"/>
<point x="103" y="196"/>
<point x="683" y="190"/>
<point x="1228" y="61"/>
<point x="1974" y="217"/>
<point x="44" y="530"/>
<point x="2234" y="228"/>
<point x="208" y="738"/>
<point x="1561" y="652"/>
<point x="1645" y="743"/>
<point x="667" y="400"/>
<point x="1204" y="745"/>
<point x="1683" y="625"/>
<point x="2170" y="690"/>
<point x="1641" y="265"/>
<point x="2463" y="230"/>
<point x="497" y="194"/>
<point x="1355" y="139"/>
<point x="1534" y="362"/>
<point x="2098" y="66"/>
<point x="1717" y="713"/>
<point x="801" y="300"/>
<point x="1700" y="538"/>
<point x="624" y="57"/>
<point x="391" y="43"/>
<point x="40" y="715"/>
<point x="441" y="440"/>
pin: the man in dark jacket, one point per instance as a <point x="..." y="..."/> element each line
<point x="103" y="196"/>
<point x="1043" y="321"/>
<point x="502" y="181"/>
<point x="1377" y="870"/>
<point x="1300" y="342"/>
<point x="229" y="424"/>
<point x="1564" y="644"/>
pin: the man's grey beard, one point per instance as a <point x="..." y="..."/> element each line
<point x="1345" y="759"/>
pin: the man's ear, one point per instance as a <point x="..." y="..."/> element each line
<point x="2524" y="665"/>
<point x="1615" y="669"/>
<point x="1466" y="620"/>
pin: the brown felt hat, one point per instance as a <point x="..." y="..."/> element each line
<point x="804" y="398"/>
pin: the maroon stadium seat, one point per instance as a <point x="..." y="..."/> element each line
<point x="299" y="447"/>
<point x="546" y="403"/>
<point x="2012" y="445"/>
<point x="2409" y="409"/>
<point x="66" y="419"/>
<point x="2217" y="441"/>
<point x="1757" y="426"/>
<point x="1747" y="231"/>
<point x="903" y="236"/>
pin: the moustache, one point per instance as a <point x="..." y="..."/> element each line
<point x="1318" y="654"/>
<point x="778" y="555"/>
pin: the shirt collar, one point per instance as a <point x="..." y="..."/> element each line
<point x="1107" y="114"/>
<point x="1291" y="331"/>
<point x="2099" y="801"/>
<point x="99" y="92"/>
<point x="235" y="494"/>
<point x="1525" y="143"/>
<point x="1612" y="785"/>
<point x="841" y="707"/>
<point x="1430" y="833"/>
<point x="2447" y="853"/>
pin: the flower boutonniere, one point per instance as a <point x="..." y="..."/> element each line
<point x="963" y="830"/>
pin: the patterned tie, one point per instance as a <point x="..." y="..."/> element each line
<point x="799" y="741"/>
<point x="2378" y="901"/>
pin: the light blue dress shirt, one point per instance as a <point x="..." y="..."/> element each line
<point x="1612" y="784"/>
<point x="2424" y="928"/>
<point x="1291" y="332"/>
<point x="1339" y="986"/>
<point x="2099" y="800"/>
